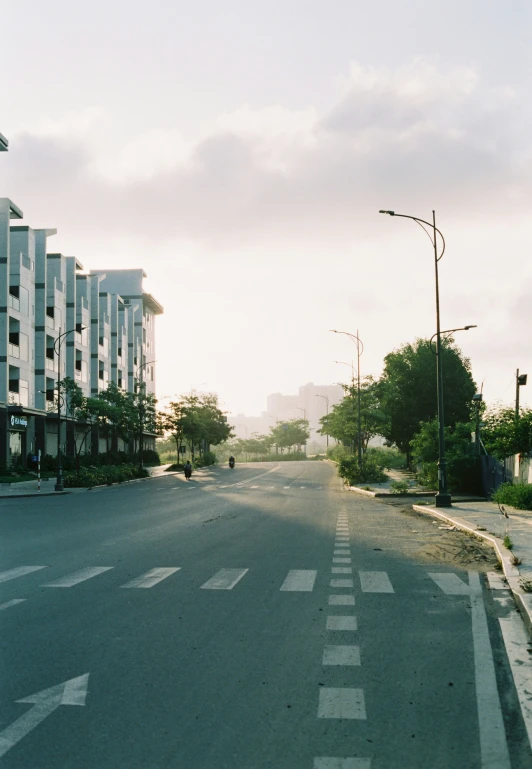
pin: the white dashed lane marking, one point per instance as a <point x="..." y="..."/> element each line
<point x="341" y="622"/>
<point x="341" y="703"/>
<point x="341" y="600"/>
<point x="341" y="655"/>
<point x="341" y="583"/>
<point x="327" y="762"/>
<point x="341" y="569"/>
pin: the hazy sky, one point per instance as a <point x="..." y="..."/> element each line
<point x="239" y="152"/>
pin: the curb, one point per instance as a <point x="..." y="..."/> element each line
<point x="35" y="494"/>
<point x="511" y="572"/>
<point x="358" y="490"/>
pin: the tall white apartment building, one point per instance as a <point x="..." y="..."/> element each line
<point x="111" y="325"/>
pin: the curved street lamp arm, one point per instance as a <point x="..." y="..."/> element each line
<point x="421" y="222"/>
<point x="353" y="336"/>
<point x="449" y="331"/>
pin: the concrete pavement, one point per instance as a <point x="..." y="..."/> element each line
<point x="256" y="619"/>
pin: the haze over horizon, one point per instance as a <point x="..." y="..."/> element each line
<point x="240" y="154"/>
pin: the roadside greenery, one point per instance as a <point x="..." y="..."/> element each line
<point x="407" y="390"/>
<point x="98" y="476"/>
<point x="198" y="422"/>
<point x="503" y="435"/>
<point x="369" y="472"/>
<point x="518" y="495"/>
<point x="342" y="421"/>
<point x="463" y="462"/>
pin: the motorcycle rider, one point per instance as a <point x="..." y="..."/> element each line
<point x="231" y="461"/>
<point x="188" y="469"/>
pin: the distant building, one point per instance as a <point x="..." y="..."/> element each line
<point x="285" y="407"/>
<point x="42" y="295"/>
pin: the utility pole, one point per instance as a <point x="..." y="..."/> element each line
<point x="520" y="381"/>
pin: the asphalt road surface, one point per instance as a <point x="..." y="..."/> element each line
<point x="261" y="618"/>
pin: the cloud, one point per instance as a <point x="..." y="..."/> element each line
<point x="395" y="137"/>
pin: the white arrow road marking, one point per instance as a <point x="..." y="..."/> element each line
<point x="20" y="571"/>
<point x="72" y="692"/>
<point x="451" y="584"/>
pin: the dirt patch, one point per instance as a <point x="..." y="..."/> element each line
<point x="438" y="542"/>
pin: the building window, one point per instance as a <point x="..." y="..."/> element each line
<point x="50" y="390"/>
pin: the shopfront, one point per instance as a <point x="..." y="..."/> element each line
<point x="18" y="426"/>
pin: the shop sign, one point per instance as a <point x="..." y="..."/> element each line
<point x="18" y="421"/>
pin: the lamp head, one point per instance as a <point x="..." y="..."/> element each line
<point x="466" y="328"/>
<point x="390" y="213"/>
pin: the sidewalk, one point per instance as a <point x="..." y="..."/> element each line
<point x="483" y="519"/>
<point x="30" y="488"/>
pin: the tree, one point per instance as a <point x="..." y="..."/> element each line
<point x="285" y="435"/>
<point x="198" y="420"/>
<point x="408" y="393"/>
<point x="503" y="435"/>
<point x="463" y="464"/>
<point x="85" y="411"/>
<point x="342" y="421"/>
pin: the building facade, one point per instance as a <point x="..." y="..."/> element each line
<point x="57" y="321"/>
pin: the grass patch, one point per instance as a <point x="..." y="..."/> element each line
<point x="507" y="542"/>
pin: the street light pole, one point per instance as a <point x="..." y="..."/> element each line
<point x="520" y="380"/>
<point x="443" y="498"/>
<point x="326" y="397"/>
<point x="57" y="349"/>
<point x="300" y="408"/>
<point x="359" y="344"/>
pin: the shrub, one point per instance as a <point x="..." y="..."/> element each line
<point x="97" y="476"/>
<point x="369" y="472"/>
<point x="399" y="487"/>
<point x="387" y="457"/>
<point x="517" y="495"/>
<point x="207" y="458"/>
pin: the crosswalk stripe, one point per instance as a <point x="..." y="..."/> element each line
<point x="225" y="579"/>
<point x="341" y="570"/>
<point x="299" y="580"/>
<point x="375" y="582"/>
<point x="332" y="762"/>
<point x="341" y="600"/>
<point x="20" y="571"/>
<point x="451" y="584"/>
<point x="341" y="703"/>
<point x="13" y="602"/>
<point x="341" y="655"/>
<point x="78" y="576"/>
<point x="341" y="560"/>
<point x="341" y="622"/>
<point x="153" y="577"/>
